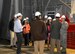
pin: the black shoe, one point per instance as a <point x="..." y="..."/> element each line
<point x="11" y="46"/>
<point x="14" y="46"/>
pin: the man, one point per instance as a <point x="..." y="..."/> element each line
<point x="12" y="33"/>
<point x="18" y="30"/>
<point x="55" y="34"/>
<point x="38" y="33"/>
<point x="63" y="33"/>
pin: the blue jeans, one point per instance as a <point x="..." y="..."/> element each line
<point x="19" y="42"/>
<point x="26" y="39"/>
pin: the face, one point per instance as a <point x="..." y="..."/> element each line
<point x="20" y="17"/>
<point x="62" y="19"/>
<point x="40" y="17"/>
<point x="50" y="20"/>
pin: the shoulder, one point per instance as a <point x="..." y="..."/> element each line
<point x="66" y="22"/>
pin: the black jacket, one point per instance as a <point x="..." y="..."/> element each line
<point x="11" y="25"/>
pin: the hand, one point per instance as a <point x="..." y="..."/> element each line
<point x="23" y="26"/>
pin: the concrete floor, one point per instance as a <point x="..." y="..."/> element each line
<point x="5" y="49"/>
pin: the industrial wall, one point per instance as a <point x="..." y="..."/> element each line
<point x="27" y="8"/>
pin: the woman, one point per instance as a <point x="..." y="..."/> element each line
<point x="26" y="32"/>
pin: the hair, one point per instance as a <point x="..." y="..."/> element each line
<point x="18" y="16"/>
<point x="47" y="22"/>
<point x="57" y="17"/>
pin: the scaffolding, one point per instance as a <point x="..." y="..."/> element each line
<point x="29" y="7"/>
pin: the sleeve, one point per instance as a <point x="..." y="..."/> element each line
<point x="44" y="28"/>
<point x="51" y="26"/>
<point x="19" y="25"/>
<point x="67" y="25"/>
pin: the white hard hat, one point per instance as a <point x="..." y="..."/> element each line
<point x="45" y="16"/>
<point x="49" y="18"/>
<point x="27" y="18"/>
<point x="63" y="16"/>
<point x="19" y="14"/>
<point x="15" y="15"/>
<point x="24" y="19"/>
<point x="57" y="15"/>
<point x="37" y="13"/>
<point x="54" y="19"/>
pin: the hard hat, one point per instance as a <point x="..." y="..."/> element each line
<point x="27" y="18"/>
<point x="49" y="18"/>
<point x="57" y="15"/>
<point x="15" y="15"/>
<point x="37" y="13"/>
<point x="19" y="14"/>
<point x="63" y="16"/>
<point x="24" y="19"/>
<point x="45" y="16"/>
<point x="54" y="19"/>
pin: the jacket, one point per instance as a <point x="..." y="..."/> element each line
<point x="26" y="29"/>
<point x="38" y="30"/>
<point x="55" y="29"/>
<point x="11" y="25"/>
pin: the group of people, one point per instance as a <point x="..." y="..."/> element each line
<point x="54" y="30"/>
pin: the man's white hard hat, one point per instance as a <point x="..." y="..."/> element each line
<point x="15" y="15"/>
<point x="19" y="14"/>
<point x="57" y="15"/>
<point x="49" y="18"/>
<point x="37" y="13"/>
<point x="54" y="19"/>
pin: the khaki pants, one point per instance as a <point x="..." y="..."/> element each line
<point x="53" y="42"/>
<point x="39" y="47"/>
<point x="12" y="38"/>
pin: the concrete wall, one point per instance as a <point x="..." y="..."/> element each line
<point x="1" y="3"/>
<point x="5" y="19"/>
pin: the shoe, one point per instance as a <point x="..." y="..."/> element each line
<point x="15" y="46"/>
<point x="11" y="46"/>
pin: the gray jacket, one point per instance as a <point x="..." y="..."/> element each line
<point x="64" y="27"/>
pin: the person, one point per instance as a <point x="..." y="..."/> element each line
<point x="55" y="34"/>
<point x="38" y="33"/>
<point x="18" y="30"/>
<point x="12" y="33"/>
<point x="48" y="30"/>
<point x="45" y="18"/>
<point x="26" y="32"/>
<point x="63" y="32"/>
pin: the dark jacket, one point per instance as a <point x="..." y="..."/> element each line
<point x="11" y="25"/>
<point x="55" y="29"/>
<point x="38" y="30"/>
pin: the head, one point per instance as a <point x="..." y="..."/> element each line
<point x="57" y="16"/>
<point x="26" y="22"/>
<point x="50" y="19"/>
<point x="19" y="16"/>
<point x="38" y="15"/>
<point x="63" y="18"/>
<point x="27" y="18"/>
